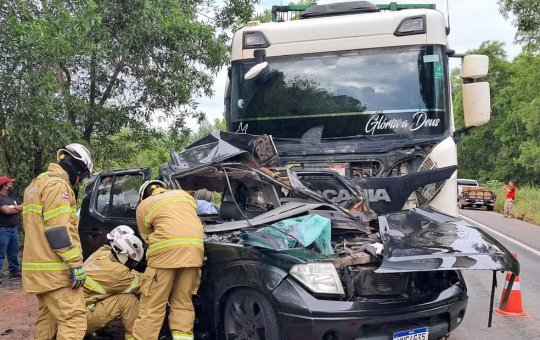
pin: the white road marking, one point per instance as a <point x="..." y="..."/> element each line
<point x="532" y="250"/>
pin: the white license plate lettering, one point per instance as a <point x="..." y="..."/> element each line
<point x="414" y="334"/>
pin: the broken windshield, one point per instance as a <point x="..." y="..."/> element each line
<point x="376" y="92"/>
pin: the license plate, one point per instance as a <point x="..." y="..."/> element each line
<point x="413" y="334"/>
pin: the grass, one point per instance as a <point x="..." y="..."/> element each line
<point x="526" y="204"/>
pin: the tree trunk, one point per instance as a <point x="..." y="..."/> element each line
<point x="38" y="161"/>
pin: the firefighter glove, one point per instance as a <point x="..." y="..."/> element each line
<point x="78" y="276"/>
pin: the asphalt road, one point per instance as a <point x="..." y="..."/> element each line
<point x="519" y="237"/>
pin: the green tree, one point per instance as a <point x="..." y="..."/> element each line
<point x="526" y="18"/>
<point x="478" y="152"/>
<point x="87" y="70"/>
<point x="520" y="131"/>
<point x="508" y="146"/>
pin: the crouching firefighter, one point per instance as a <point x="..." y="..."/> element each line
<point x="52" y="260"/>
<point x="111" y="282"/>
<point x="168" y="222"/>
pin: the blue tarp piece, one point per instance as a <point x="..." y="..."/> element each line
<point x="294" y="232"/>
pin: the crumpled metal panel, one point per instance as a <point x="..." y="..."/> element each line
<point x="214" y="148"/>
<point x="419" y="240"/>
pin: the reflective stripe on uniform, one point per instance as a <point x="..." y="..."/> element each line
<point x="35" y="208"/>
<point x="182" y="336"/>
<point x="71" y="254"/>
<point x="44" y="266"/>
<point x="93" y="285"/>
<point x="63" y="209"/>
<point x="130" y="337"/>
<point x="167" y="201"/>
<point x="178" y="241"/>
<point x="136" y="283"/>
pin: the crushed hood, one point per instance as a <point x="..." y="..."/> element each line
<point x="222" y="146"/>
<point x="419" y="240"/>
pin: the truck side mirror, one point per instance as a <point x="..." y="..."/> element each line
<point x="475" y="66"/>
<point x="476" y="94"/>
<point x="255" y="70"/>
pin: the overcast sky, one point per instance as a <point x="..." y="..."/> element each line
<point x="471" y="23"/>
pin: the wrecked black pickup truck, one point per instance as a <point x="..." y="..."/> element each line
<point x="284" y="262"/>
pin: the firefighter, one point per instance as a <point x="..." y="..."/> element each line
<point x="168" y="222"/>
<point x="52" y="261"/>
<point x="111" y="282"/>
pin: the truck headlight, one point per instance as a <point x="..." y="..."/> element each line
<point x="320" y="278"/>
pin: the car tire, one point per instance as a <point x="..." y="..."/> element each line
<point x="461" y="206"/>
<point x="490" y="208"/>
<point x="249" y="314"/>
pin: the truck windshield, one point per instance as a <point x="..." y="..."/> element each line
<point x="387" y="91"/>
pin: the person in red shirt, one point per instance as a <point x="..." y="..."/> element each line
<point x="510" y="190"/>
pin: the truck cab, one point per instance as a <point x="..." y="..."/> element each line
<point x="359" y="89"/>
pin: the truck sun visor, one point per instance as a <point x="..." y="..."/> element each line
<point x="58" y="237"/>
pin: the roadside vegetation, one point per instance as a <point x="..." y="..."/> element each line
<point x="526" y="205"/>
<point x="121" y="77"/>
<point x="508" y="147"/>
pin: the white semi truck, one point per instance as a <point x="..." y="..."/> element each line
<point x="363" y="90"/>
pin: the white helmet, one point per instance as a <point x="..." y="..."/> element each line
<point x="145" y="185"/>
<point x="120" y="230"/>
<point x="79" y="152"/>
<point x="125" y="244"/>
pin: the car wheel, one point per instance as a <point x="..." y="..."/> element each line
<point x="249" y="315"/>
<point x="461" y="206"/>
<point x="490" y="208"/>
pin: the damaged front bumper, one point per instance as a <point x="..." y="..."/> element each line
<point x="303" y="316"/>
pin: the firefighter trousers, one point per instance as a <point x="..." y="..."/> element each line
<point x="62" y="312"/>
<point x="158" y="286"/>
<point x="125" y="306"/>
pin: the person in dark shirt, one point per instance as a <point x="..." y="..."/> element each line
<point x="10" y="208"/>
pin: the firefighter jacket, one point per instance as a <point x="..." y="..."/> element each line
<point x="105" y="276"/>
<point x="168" y="222"/>
<point x="49" y="202"/>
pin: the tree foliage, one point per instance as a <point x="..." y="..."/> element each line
<point x="508" y="147"/>
<point x="103" y="72"/>
<point x="526" y="18"/>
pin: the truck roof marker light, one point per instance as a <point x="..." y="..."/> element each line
<point x="255" y="40"/>
<point x="412" y="25"/>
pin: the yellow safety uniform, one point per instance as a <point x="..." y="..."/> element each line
<point x="50" y="202"/>
<point x="109" y="291"/>
<point x="168" y="222"/>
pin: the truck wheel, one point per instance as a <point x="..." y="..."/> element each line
<point x="249" y="315"/>
<point x="490" y="208"/>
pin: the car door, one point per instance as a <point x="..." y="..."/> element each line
<point x="110" y="200"/>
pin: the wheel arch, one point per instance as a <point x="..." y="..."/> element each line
<point x="255" y="275"/>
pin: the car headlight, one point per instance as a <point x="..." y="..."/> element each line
<point x="321" y="278"/>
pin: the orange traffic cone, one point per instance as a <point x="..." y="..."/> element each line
<point x="514" y="306"/>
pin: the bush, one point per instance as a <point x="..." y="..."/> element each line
<point x="526" y="205"/>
